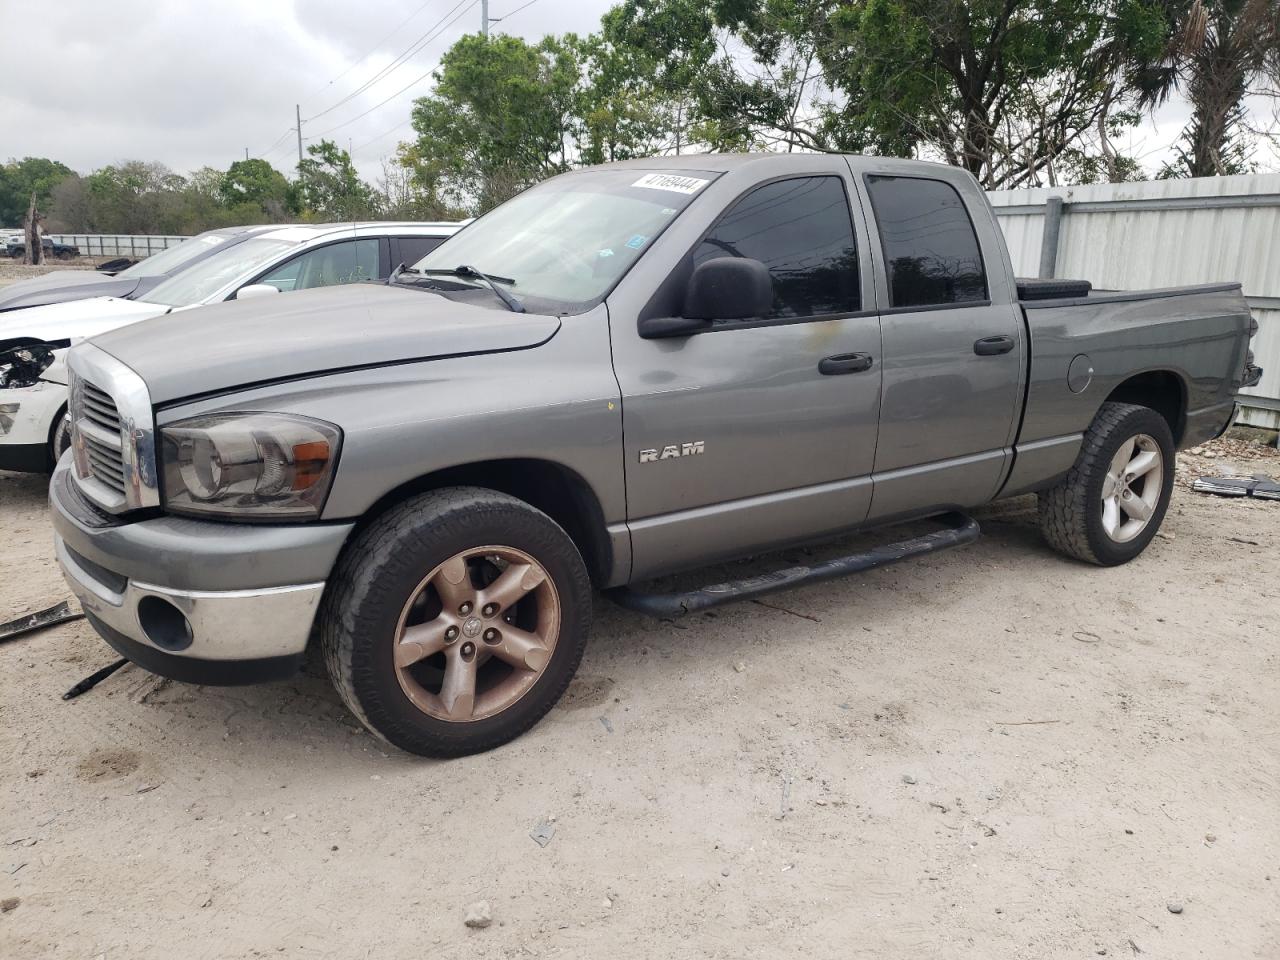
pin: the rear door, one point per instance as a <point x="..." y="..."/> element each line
<point x="954" y="351"/>
<point x="734" y="438"/>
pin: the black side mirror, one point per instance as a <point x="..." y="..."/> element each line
<point x="726" y="288"/>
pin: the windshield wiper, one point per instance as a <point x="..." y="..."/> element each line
<point x="471" y="273"/>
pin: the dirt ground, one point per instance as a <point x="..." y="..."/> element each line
<point x="13" y="270"/>
<point x="990" y="753"/>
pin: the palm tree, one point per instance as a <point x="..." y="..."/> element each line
<point x="1216" y="55"/>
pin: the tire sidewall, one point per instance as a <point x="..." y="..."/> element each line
<point x="377" y="609"/>
<point x="1139" y="420"/>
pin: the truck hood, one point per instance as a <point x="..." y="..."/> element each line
<point x="75" y="319"/>
<point x="63" y="285"/>
<point x="293" y="335"/>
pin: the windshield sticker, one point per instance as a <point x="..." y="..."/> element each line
<point x="636" y="242"/>
<point x="606" y="252"/>
<point x="669" y="181"/>
<point x="668" y="211"/>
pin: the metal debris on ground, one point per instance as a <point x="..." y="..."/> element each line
<point x="1260" y="486"/>
<point x="58" y="613"/>
<point x="542" y="833"/>
<point x="93" y="679"/>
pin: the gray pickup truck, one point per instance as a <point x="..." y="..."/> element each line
<point x="625" y="371"/>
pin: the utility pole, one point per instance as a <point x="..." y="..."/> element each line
<point x="297" y="112"/>
<point x="484" y="18"/>
<point x="246" y="153"/>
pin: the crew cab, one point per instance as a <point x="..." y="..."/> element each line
<point x="624" y="371"/>
<point x="243" y="263"/>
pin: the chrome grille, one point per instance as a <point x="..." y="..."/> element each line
<point x="100" y="408"/>
<point x="112" y="432"/>
<point x="96" y="424"/>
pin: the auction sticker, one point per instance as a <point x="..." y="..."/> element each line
<point x="669" y="181"/>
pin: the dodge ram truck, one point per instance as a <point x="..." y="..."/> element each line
<point x="625" y="371"/>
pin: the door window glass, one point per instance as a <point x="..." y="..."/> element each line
<point x="930" y="249"/>
<point x="801" y="230"/>
<point x="327" y="266"/>
<point x="413" y="249"/>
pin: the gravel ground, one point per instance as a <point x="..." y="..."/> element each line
<point x="12" y="271"/>
<point x="992" y="752"/>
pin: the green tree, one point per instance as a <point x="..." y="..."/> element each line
<point x="131" y="197"/>
<point x="329" y="188"/>
<point x="20" y="178"/>
<point x="502" y="116"/>
<point x="257" y="183"/>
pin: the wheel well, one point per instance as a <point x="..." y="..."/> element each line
<point x="1163" y="392"/>
<point x="554" y="489"/>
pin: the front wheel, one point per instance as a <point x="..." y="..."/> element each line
<point x="1113" y="500"/>
<point x="455" y="621"/>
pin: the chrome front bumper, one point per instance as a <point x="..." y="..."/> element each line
<point x="219" y="624"/>
<point x="199" y="601"/>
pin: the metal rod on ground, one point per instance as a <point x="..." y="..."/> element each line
<point x="93" y="679"/>
<point x="58" y="613"/>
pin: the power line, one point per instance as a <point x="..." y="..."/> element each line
<point x="394" y="65"/>
<point x="367" y="53"/>
<point x="411" y="83"/>
<point x="405" y="123"/>
<point x="524" y="6"/>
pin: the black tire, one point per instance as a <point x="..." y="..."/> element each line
<point x="1071" y="511"/>
<point x="59" y="437"/>
<point x="382" y="567"/>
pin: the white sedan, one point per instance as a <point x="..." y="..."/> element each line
<point x="33" y="341"/>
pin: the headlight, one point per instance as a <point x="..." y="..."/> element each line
<point x="22" y="366"/>
<point x="270" y="465"/>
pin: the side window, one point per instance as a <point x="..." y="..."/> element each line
<point x="413" y="249"/>
<point x="930" y="249"/>
<point x="327" y="266"/>
<point x="802" y="231"/>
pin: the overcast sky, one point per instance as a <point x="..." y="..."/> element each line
<point x="193" y="84"/>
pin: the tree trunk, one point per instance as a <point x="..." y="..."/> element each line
<point x="31" y="228"/>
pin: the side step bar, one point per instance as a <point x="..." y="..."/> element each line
<point x="959" y="530"/>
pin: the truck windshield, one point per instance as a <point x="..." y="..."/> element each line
<point x="569" y="240"/>
<point x="171" y="258"/>
<point x="210" y="275"/>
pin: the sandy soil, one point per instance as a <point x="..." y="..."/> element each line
<point x="12" y="271"/>
<point x="992" y="753"/>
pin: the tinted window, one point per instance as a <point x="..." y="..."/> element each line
<point x="800" y="229"/>
<point x="930" y="249"/>
<point x="413" y="249"/>
<point x="327" y="266"/>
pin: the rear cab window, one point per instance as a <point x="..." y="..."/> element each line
<point x="931" y="251"/>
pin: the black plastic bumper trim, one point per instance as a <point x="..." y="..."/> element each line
<point x="217" y="673"/>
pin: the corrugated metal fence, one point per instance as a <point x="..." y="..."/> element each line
<point x="1162" y="233"/>
<point x="116" y="245"/>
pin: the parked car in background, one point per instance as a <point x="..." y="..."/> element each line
<point x="52" y="249"/>
<point x="33" y="392"/>
<point x="132" y="283"/>
<point x="623" y="372"/>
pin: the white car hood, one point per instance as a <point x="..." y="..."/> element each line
<point x="76" y="319"/>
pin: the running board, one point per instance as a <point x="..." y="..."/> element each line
<point x="959" y="530"/>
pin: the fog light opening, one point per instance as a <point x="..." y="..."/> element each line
<point x="164" y="624"/>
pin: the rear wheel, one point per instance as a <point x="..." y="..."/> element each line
<point x="455" y="621"/>
<point x="1113" y="500"/>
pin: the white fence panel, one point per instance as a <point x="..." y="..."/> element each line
<point x="1164" y="233"/>
<point x="117" y="245"/>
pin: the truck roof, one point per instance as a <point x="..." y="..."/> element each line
<point x="720" y="162"/>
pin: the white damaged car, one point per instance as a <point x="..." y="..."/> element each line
<point x="33" y="341"/>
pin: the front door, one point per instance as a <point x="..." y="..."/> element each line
<point x="954" y="349"/>
<point x="734" y="438"/>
